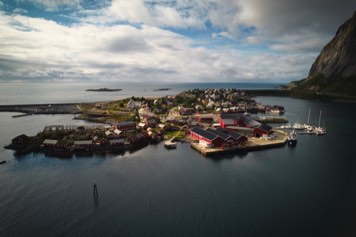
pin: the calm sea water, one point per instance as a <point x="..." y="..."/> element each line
<point x="309" y="190"/>
<point x="34" y="93"/>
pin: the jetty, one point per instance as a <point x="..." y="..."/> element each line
<point x="170" y="144"/>
<point x="20" y="115"/>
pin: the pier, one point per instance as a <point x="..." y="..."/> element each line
<point x="20" y="115"/>
<point x="170" y="144"/>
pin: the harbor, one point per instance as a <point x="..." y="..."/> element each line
<point x="173" y="178"/>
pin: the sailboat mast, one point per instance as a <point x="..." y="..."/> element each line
<point x="309" y="116"/>
<point x="319" y="118"/>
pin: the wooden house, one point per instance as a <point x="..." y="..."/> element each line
<point x="262" y="130"/>
<point x="20" y="140"/>
<point x="126" y="126"/>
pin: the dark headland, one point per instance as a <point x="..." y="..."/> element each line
<point x="162" y="89"/>
<point x="104" y="90"/>
<point x="333" y="73"/>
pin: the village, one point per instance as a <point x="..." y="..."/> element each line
<point x="214" y="121"/>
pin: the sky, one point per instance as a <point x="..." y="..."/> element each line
<point x="165" y="40"/>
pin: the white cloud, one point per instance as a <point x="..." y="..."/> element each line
<point x="123" y="52"/>
<point x="143" y="48"/>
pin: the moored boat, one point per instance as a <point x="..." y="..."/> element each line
<point x="320" y="130"/>
<point x="292" y="138"/>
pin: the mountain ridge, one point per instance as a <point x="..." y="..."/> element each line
<point x="334" y="70"/>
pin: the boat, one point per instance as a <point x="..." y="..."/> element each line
<point x="320" y="130"/>
<point x="292" y="138"/>
<point x="298" y="126"/>
<point x="276" y="109"/>
<point x="288" y="126"/>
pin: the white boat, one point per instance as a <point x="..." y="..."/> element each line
<point x="292" y="138"/>
<point x="287" y="126"/>
<point x="320" y="130"/>
<point x="298" y="126"/>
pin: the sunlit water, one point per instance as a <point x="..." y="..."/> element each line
<point x="37" y="93"/>
<point x="309" y="190"/>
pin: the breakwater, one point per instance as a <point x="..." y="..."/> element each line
<point x="67" y="108"/>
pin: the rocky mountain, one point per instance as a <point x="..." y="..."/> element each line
<point x="334" y="70"/>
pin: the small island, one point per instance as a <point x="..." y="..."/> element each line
<point x="162" y="89"/>
<point x="213" y="121"/>
<point x="104" y="90"/>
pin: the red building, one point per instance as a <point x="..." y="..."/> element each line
<point x="238" y="120"/>
<point x="262" y="130"/>
<point x="228" y="139"/>
<point x="206" y="138"/>
<point x="239" y="138"/>
<point x="126" y="126"/>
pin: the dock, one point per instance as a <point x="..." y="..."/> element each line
<point x="253" y="144"/>
<point x="170" y="144"/>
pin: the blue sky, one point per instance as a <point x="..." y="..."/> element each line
<point x="165" y="40"/>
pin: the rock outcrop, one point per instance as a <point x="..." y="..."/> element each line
<point x="334" y="70"/>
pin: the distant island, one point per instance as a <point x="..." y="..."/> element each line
<point x="162" y="89"/>
<point x="104" y="90"/>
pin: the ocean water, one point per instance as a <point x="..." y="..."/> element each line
<point x="308" y="190"/>
<point x="37" y="93"/>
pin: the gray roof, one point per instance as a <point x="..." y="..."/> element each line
<point x="235" y="135"/>
<point x="265" y="127"/>
<point x="252" y="123"/>
<point x="85" y="142"/>
<point x="220" y="134"/>
<point x="50" y="142"/>
<point x="121" y="140"/>
<point x="124" y="123"/>
<point x="208" y="135"/>
<point x="228" y="121"/>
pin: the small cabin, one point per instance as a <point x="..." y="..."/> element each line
<point x="21" y="140"/>
<point x="126" y="126"/>
<point x="84" y="145"/>
<point x="263" y="130"/>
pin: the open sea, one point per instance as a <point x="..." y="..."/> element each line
<point x="308" y="190"/>
<point x="36" y="93"/>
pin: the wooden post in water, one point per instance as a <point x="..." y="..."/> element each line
<point x="95" y="190"/>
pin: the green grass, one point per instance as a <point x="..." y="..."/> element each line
<point x="171" y="134"/>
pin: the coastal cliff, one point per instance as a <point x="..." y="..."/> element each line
<point x="334" y="70"/>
